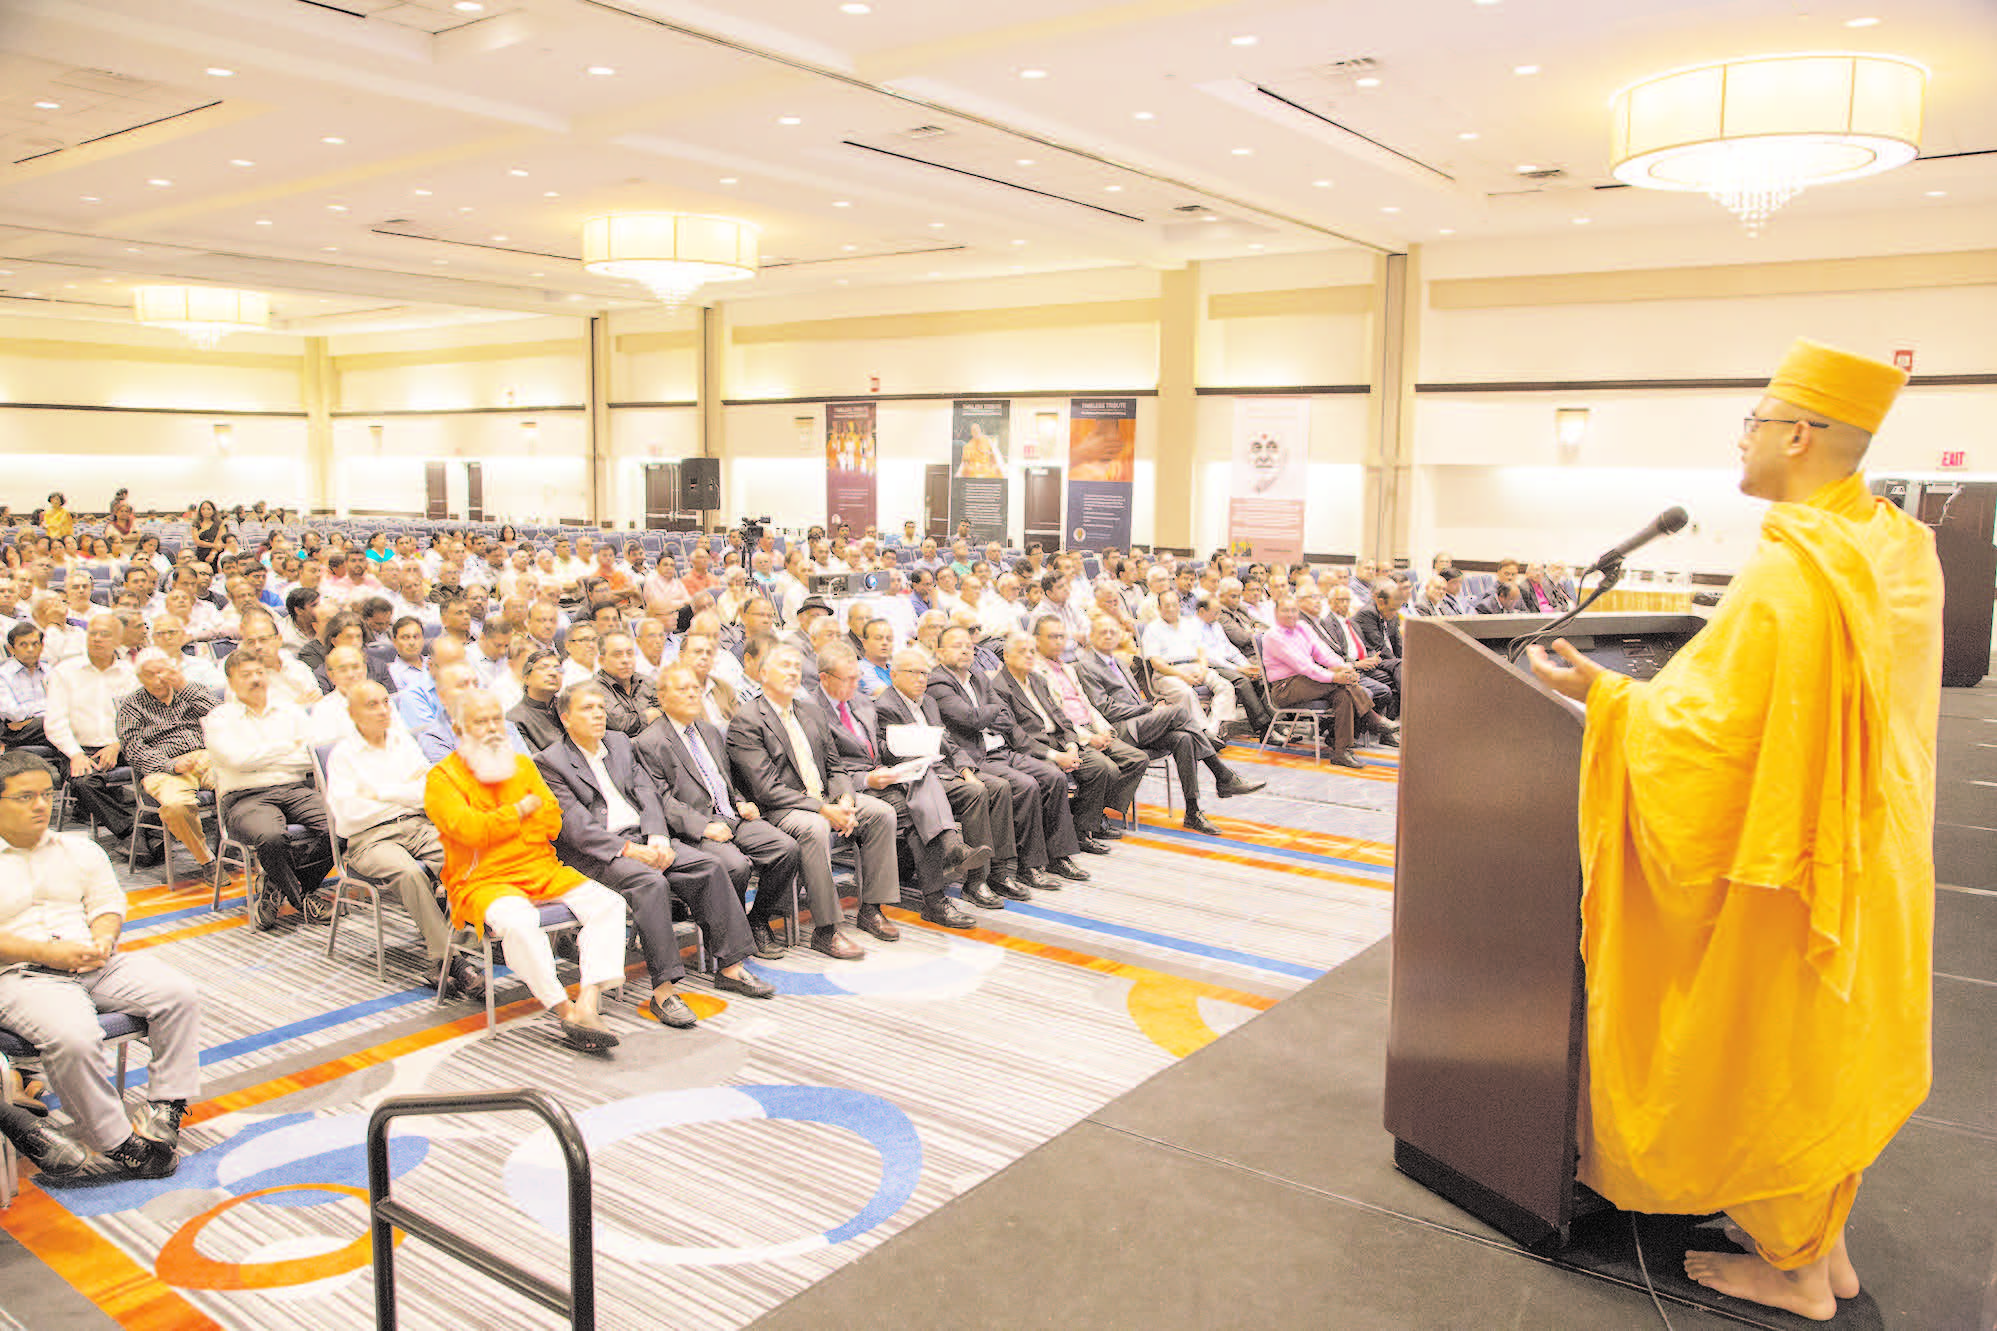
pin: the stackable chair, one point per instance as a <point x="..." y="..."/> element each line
<point x="120" y="1029"/>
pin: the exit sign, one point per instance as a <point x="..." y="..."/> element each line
<point x="1954" y="458"/>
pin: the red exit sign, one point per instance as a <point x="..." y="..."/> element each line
<point x="1954" y="457"/>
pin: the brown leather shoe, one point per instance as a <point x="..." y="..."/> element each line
<point x="877" y="924"/>
<point x="834" y="944"/>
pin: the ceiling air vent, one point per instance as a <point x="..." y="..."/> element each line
<point x="1362" y="64"/>
<point x="1544" y="173"/>
<point x="925" y="132"/>
<point x="1192" y="208"/>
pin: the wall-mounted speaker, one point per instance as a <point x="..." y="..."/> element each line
<point x="700" y="483"/>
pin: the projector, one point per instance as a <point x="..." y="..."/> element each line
<point x="828" y="584"/>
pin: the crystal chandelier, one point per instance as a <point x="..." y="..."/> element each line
<point x="672" y="254"/>
<point x="1755" y="132"/>
<point x="203" y="315"/>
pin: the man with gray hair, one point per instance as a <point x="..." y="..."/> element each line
<point x="159" y="733"/>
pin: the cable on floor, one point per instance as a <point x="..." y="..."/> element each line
<point x="1644" y="1267"/>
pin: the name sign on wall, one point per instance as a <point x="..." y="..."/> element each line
<point x="851" y="484"/>
<point x="1102" y="464"/>
<point x="1265" y="511"/>
<point x="979" y="432"/>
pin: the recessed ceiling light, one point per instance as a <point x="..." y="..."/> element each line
<point x="936" y="274"/>
<point x="790" y="120"/>
<point x="855" y="7"/>
<point x="468" y="6"/>
<point x="333" y="139"/>
<point x="515" y="171"/>
<point x="1242" y="152"/>
<point x="440" y="262"/>
<point x="1525" y="69"/>
<point x="1209" y="218"/>
<point x="241" y="161"/>
<point x="158" y="181"/>
<point x="424" y="192"/>
<point x="1112" y="189"/>
<point x="537" y="274"/>
<point x="1256" y="247"/>
<point x="1321" y="184"/>
<point x="1033" y="73"/>
<point x="217" y="72"/>
<point x="1861" y="23"/>
<point x="336" y="207"/>
<point x="1583" y="221"/>
<point x="1468" y="136"/>
<point x="936" y="226"/>
<point x="92" y="198"/>
<point x="1389" y="208"/>
<point x="329" y="249"/>
<point x="48" y="106"/>
<point x="1526" y="168"/>
<point x="499" y="240"/>
<point x="465" y="208"/>
<point x="1143" y="115"/>
<point x="1368" y="82"/>
<point x="264" y="221"/>
<point x="1022" y="161"/>
<point x="133" y="249"/>
<point x="1447" y="231"/>
<point x="1485" y="2"/>
<point x="842" y="203"/>
<point x="1938" y="194"/>
<point x="1246" y="39"/>
<point x="849" y="248"/>
<point x="551" y="194"/>
<point x="601" y="71"/>
<point x="838" y="281"/>
<point x="1019" y="242"/>
<point x="728" y="180"/>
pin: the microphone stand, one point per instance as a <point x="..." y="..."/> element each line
<point x="1611" y="572"/>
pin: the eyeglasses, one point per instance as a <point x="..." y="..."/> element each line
<point x="31" y="797"/>
<point x="1749" y="424"/>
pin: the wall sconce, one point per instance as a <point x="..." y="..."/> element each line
<point x="530" y="434"/>
<point x="807" y="432"/>
<point x="1570" y="427"/>
<point x="224" y="435"/>
<point x="374" y="436"/>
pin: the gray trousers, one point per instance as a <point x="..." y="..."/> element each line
<point x="880" y="877"/>
<point x="402" y="852"/>
<point x="58" y="1014"/>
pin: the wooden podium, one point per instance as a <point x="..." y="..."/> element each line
<point x="1486" y="1036"/>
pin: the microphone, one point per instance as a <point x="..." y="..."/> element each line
<point x="1665" y="523"/>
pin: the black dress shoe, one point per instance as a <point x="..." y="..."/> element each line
<point x="764" y="940"/>
<point x="467" y="978"/>
<point x="877" y="924"/>
<point x="1346" y="760"/>
<point x="1236" y="785"/>
<point x="1068" y="869"/>
<point x="749" y="986"/>
<point x="1196" y="822"/>
<point x="137" y="1157"/>
<point x="1391" y="739"/>
<point x="1090" y="846"/>
<point x="1107" y="832"/>
<point x="980" y="895"/>
<point x="54" y="1153"/>
<point x="946" y="914"/>
<point x="150" y="857"/>
<point x="1012" y="889"/>
<point x="673" y="1012"/>
<point x="962" y="861"/>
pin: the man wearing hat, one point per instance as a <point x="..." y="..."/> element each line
<point x="809" y="610"/>
<point x="1756" y="832"/>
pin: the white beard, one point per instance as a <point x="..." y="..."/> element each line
<point x="491" y="763"/>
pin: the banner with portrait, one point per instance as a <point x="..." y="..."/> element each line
<point x="851" y="485"/>
<point x="1265" y="510"/>
<point x="978" y="450"/>
<point x="1102" y="465"/>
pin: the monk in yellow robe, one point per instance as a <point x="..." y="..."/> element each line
<point x="1756" y="842"/>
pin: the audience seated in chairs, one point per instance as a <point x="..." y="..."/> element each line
<point x="24" y="702"/>
<point x="81" y="721"/>
<point x="1106" y="771"/>
<point x="498" y="823"/>
<point x="260" y="748"/>
<point x="1239" y="668"/>
<point x="289" y="680"/>
<point x="632" y="701"/>
<point x="1339" y="630"/>
<point x="539" y="723"/>
<point x="1174" y="647"/>
<point x="1379" y="625"/>
<point x="374" y="792"/>
<point x="719" y="702"/>
<point x="160" y="737"/>
<point x="61" y="912"/>
<point x="1158" y="728"/>
<point x="785" y="758"/>
<point x="688" y="757"/>
<point x="924" y="811"/>
<point x="1504" y="598"/>
<point x="1302" y="668"/>
<point x="614" y="829"/>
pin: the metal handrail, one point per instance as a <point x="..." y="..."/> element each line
<point x="578" y="1301"/>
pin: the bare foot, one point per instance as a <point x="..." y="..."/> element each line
<point x="1844" y="1276"/>
<point x="1805" y="1292"/>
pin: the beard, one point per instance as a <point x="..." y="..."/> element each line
<point x="490" y="761"/>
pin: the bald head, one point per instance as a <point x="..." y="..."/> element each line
<point x="367" y="705"/>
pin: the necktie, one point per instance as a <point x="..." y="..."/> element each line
<point x="846" y="719"/>
<point x="716" y="788"/>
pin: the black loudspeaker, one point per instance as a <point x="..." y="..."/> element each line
<point x="700" y="483"/>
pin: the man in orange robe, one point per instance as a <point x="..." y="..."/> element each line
<point x="1756" y="841"/>
<point x="497" y="821"/>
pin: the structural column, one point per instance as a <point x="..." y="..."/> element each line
<point x="1390" y="417"/>
<point x="712" y="389"/>
<point x="319" y="387"/>
<point x="1178" y="407"/>
<point x="597" y="409"/>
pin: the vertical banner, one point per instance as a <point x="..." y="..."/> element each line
<point x="978" y="437"/>
<point x="1102" y="463"/>
<point x="1265" y="511"/>
<point x="851" y="488"/>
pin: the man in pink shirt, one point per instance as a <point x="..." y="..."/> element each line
<point x="1300" y="668"/>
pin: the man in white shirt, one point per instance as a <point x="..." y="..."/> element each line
<point x="61" y="912"/>
<point x="290" y="680"/>
<point x="1175" y="649"/>
<point x="82" y="723"/>
<point x="262" y="754"/>
<point x="374" y="792"/>
<point x="331" y="718"/>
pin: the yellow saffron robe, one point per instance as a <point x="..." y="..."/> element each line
<point x="1758" y="910"/>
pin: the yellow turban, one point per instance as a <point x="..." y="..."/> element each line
<point x="1854" y="389"/>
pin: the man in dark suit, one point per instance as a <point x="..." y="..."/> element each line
<point x="923" y="809"/>
<point x="974" y="715"/>
<point x="983" y="807"/>
<point x="786" y="762"/>
<point x="535" y="715"/>
<point x="688" y="757"/>
<point x="1156" y="728"/>
<point x="614" y="830"/>
<point x="1102" y="778"/>
<point x="1337" y="629"/>
<point x="630" y="696"/>
<point x="1379" y="627"/>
